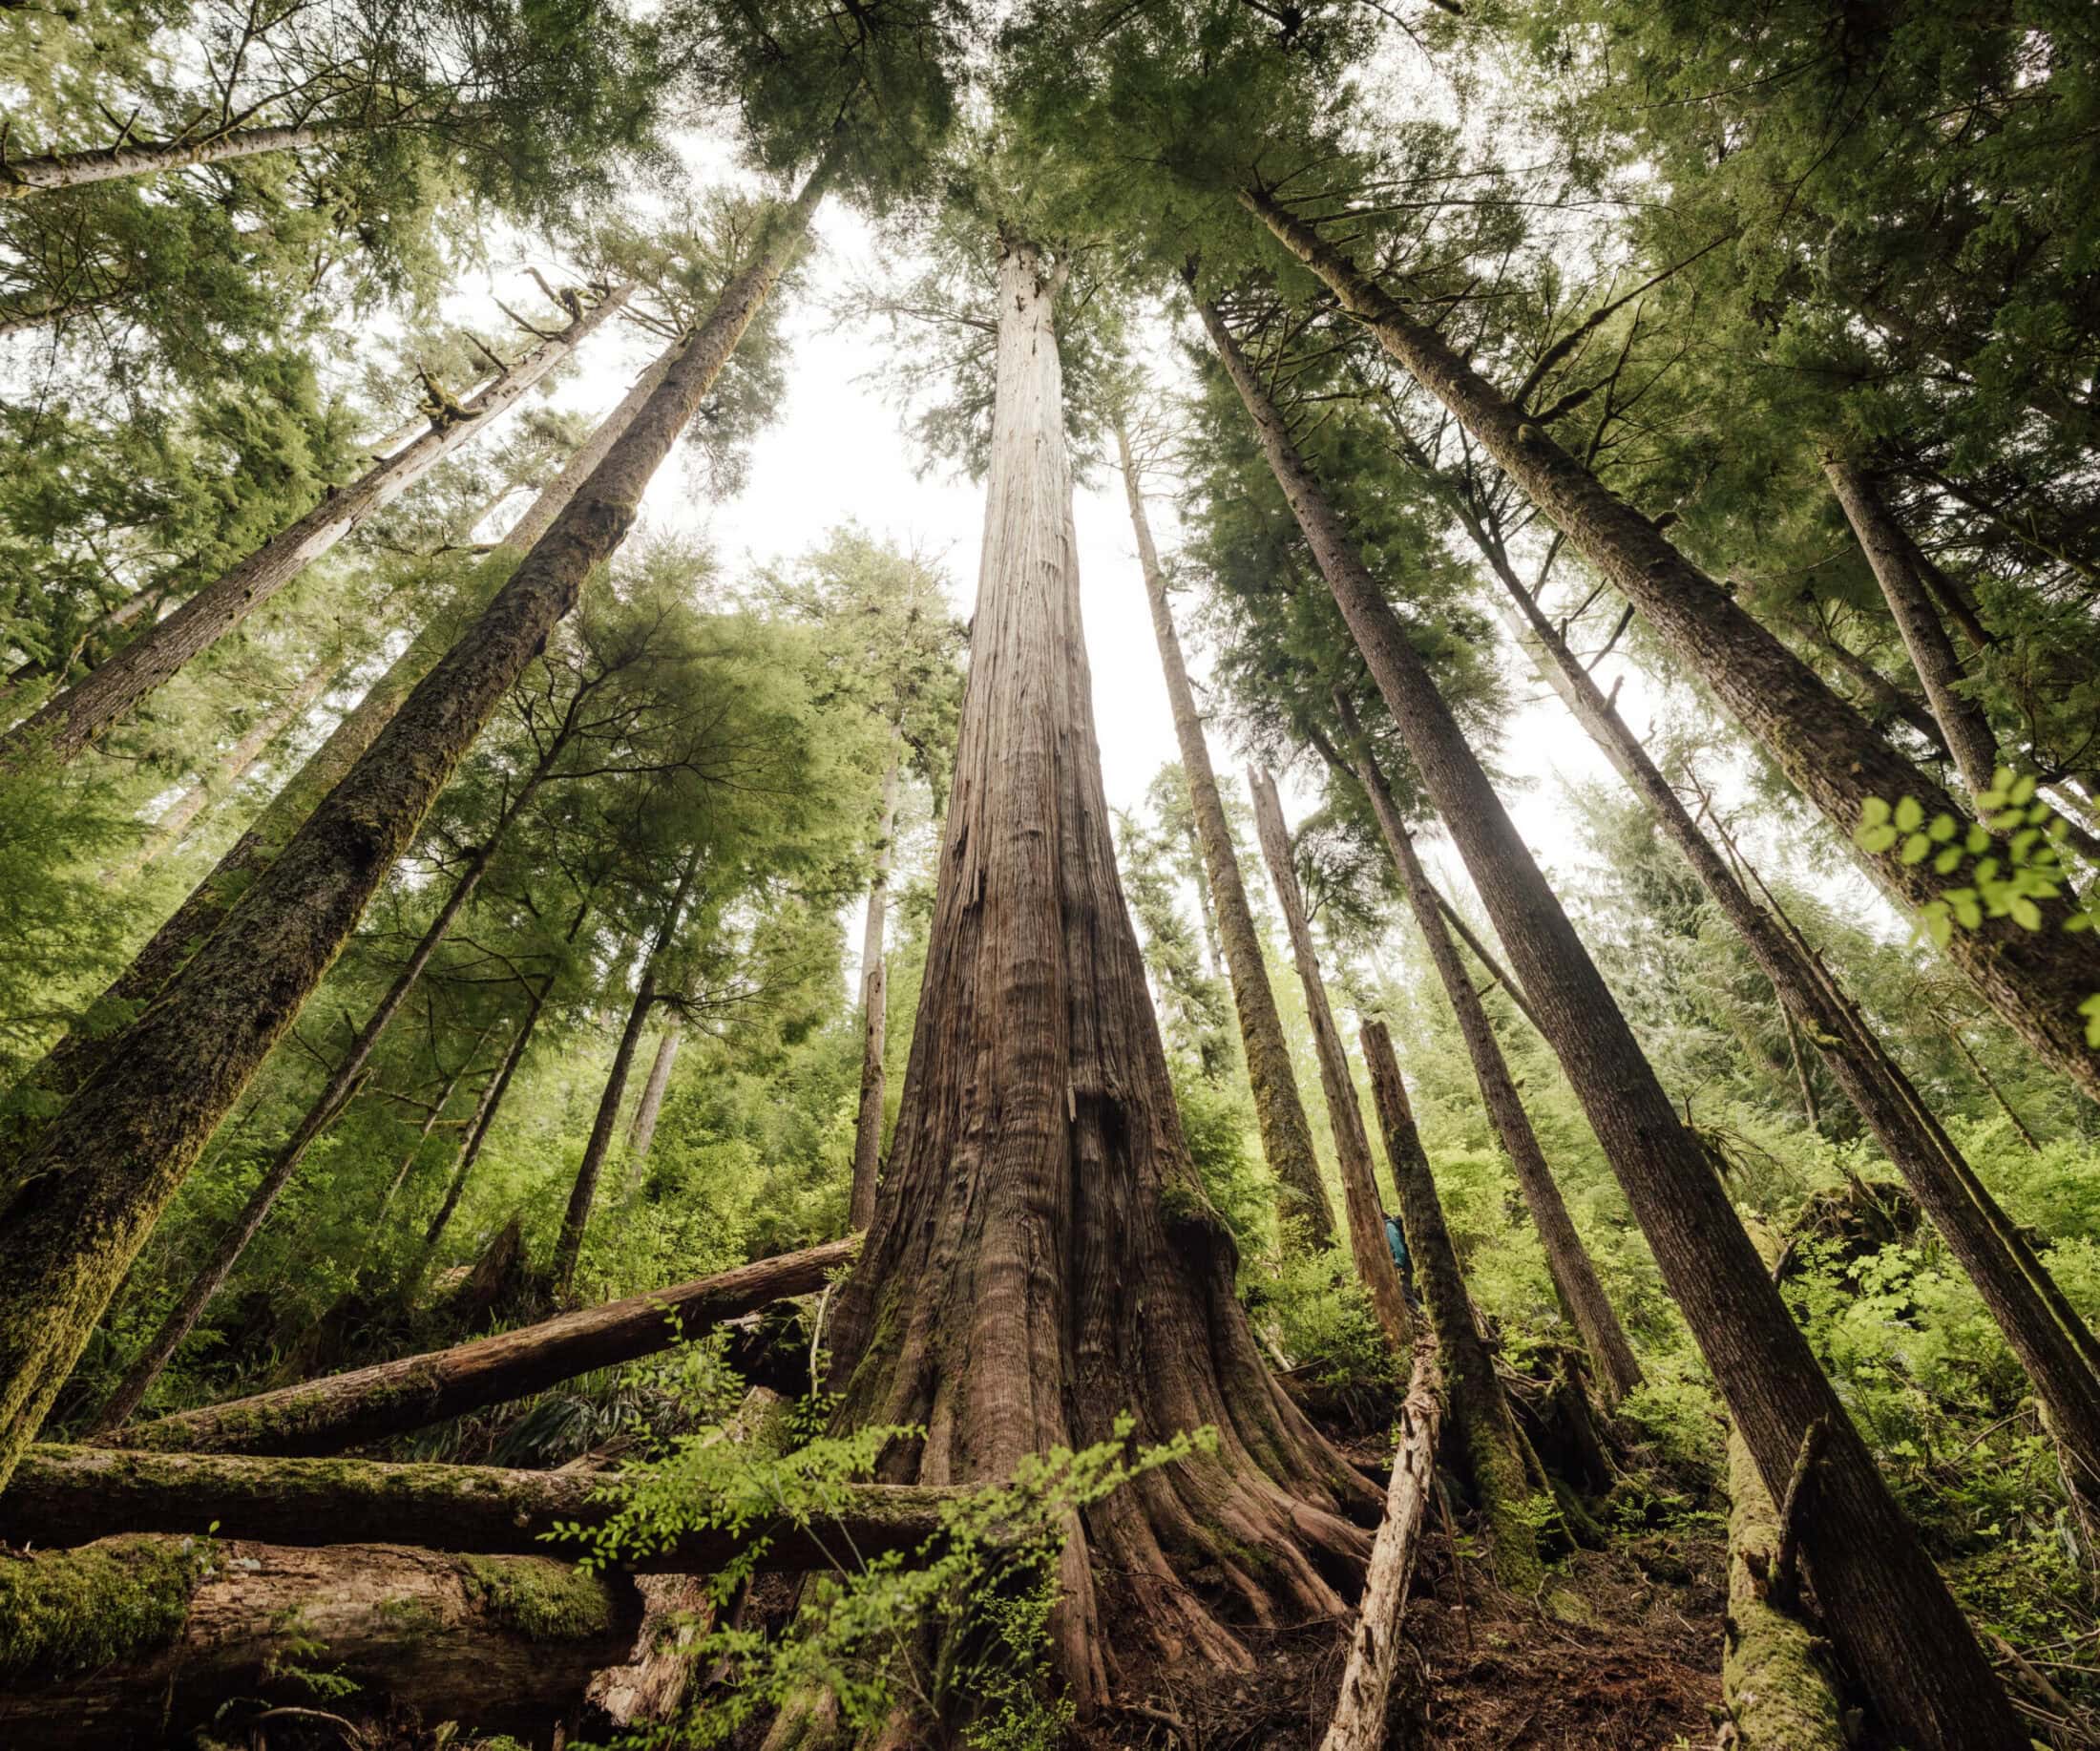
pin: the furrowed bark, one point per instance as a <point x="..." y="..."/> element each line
<point x="2036" y="980"/>
<point x="1360" y="1200"/>
<point x="1493" y="1449"/>
<point x="1905" y="1637"/>
<point x="1358" y="1720"/>
<point x="67" y="1495"/>
<point x="1279" y="1114"/>
<point x="146" y="1639"/>
<point x="2054" y="1345"/>
<point x="1610" y="1355"/>
<point x="79" y="1206"/>
<point x="875" y="996"/>
<point x="75" y="717"/>
<point x="1042" y="1258"/>
<point x="392" y="1397"/>
<point x="641" y="1132"/>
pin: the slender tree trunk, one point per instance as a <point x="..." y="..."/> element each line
<point x="1906" y="1637"/>
<point x="485" y="1112"/>
<point x="641" y="1132"/>
<point x="24" y="178"/>
<point x="2038" y="978"/>
<point x="2053" y="1343"/>
<point x="497" y="1644"/>
<point x="78" y="1207"/>
<point x="325" y="1108"/>
<point x="576" y="1219"/>
<point x="1812" y="1108"/>
<point x="1213" y="954"/>
<point x="1367" y="1241"/>
<point x="1043" y="1260"/>
<point x="1495" y="1452"/>
<point x="432" y="1121"/>
<point x="1482" y="953"/>
<point x="1279" y="1114"/>
<point x="70" y="722"/>
<point x="875" y="996"/>
<point x="1897" y="569"/>
<point x="1886" y="698"/>
<point x="392" y="1397"/>
<point x="1588" y="1307"/>
<point x="110" y="619"/>
<point x="1990" y="1085"/>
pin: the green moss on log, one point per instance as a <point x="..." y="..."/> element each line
<point x="542" y="1599"/>
<point x="105" y="1604"/>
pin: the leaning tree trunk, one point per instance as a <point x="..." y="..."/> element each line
<point x="133" y="1643"/>
<point x="431" y="1120"/>
<point x="1885" y="1602"/>
<point x="2052" y="1341"/>
<point x="1279" y="1114"/>
<point x="75" y="717"/>
<point x="1567" y="1260"/>
<point x="1043" y="1259"/>
<point x="1494" y="1455"/>
<point x="24" y="178"/>
<point x="1367" y="1241"/>
<point x="584" y="1194"/>
<point x="2037" y="978"/>
<point x="327" y="1107"/>
<point x="81" y="1202"/>
<point x="874" y="998"/>
<point x="642" y="1131"/>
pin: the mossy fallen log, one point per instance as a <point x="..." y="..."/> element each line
<point x="71" y="1495"/>
<point x="392" y="1397"/>
<point x="132" y="1642"/>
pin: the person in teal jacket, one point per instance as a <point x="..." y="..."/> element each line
<point x="1401" y="1262"/>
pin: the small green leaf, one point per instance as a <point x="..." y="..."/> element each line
<point x="2026" y="914"/>
<point x="1942" y="829"/>
<point x="1915" y="848"/>
<point x="1948" y="861"/>
<point x="1910" y="814"/>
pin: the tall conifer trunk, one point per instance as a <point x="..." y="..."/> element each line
<point x="1279" y="1114"/>
<point x="107" y="693"/>
<point x="76" y="1207"/>
<point x="1885" y="1602"/>
<point x="1573" y="1274"/>
<point x="874" y="998"/>
<point x="641" y="1132"/>
<point x="1043" y="1259"/>
<point x="2037" y="978"/>
<point x="1367" y="1241"/>
<point x="25" y="177"/>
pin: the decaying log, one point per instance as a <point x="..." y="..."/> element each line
<point x="71" y="1495"/>
<point x="1359" y="1722"/>
<point x="132" y="1642"/>
<point x="367" y="1405"/>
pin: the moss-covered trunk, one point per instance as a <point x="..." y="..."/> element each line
<point x="1887" y="1603"/>
<point x="80" y="1205"/>
<point x="1279" y="1114"/>
<point x="874" y="999"/>
<point x="2037" y="979"/>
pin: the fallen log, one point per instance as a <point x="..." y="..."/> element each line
<point x="1359" y="1722"/>
<point x="392" y="1397"/>
<point x="132" y="1642"/>
<point x="71" y="1495"/>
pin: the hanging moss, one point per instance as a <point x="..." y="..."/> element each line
<point x="103" y="1605"/>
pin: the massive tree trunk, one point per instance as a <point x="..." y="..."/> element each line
<point x="75" y="717"/>
<point x="1043" y="1259"/>
<point x="1573" y="1274"/>
<point x="133" y="1643"/>
<point x="392" y="1397"/>
<point x="328" y="1106"/>
<point x="81" y="1202"/>
<point x="1279" y="1114"/>
<point x="642" y="1131"/>
<point x="2038" y="978"/>
<point x="1360" y="1200"/>
<point x="584" y="1194"/>
<point x="2052" y="1341"/>
<point x="1493" y="1452"/>
<point x="1886" y="1604"/>
<point x="874" y="998"/>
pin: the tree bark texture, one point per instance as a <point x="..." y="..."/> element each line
<point x="1610" y="1355"/>
<point x="66" y="1495"/>
<point x="1492" y="1448"/>
<point x="642" y="1131"/>
<point x="1360" y="1200"/>
<point x="178" y="1628"/>
<point x="1279" y="1114"/>
<point x="1043" y="1259"/>
<point x="576" y="1219"/>
<point x="391" y="1398"/>
<point x="2052" y="1341"/>
<point x="76" y="716"/>
<point x="2037" y="979"/>
<point x="1360" y="1719"/>
<point x="79" y="1206"/>
<point x="874" y="998"/>
<point x="1906" y="1635"/>
<point x="24" y="178"/>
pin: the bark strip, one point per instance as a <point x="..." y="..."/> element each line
<point x="875" y="997"/>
